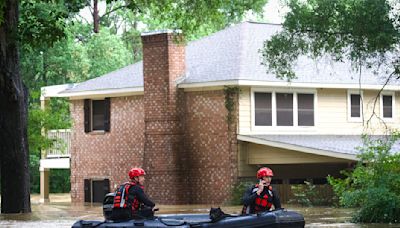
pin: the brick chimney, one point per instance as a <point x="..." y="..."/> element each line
<point x="163" y="63"/>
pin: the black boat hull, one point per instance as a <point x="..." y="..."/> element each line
<point x="279" y="218"/>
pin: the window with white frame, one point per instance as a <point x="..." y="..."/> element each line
<point x="263" y="109"/>
<point x="387" y="105"/>
<point x="283" y="109"/>
<point x="355" y="105"/>
<point x="305" y="109"/>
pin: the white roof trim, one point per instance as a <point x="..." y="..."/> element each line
<point x="297" y="148"/>
<point x="102" y="93"/>
<point x="288" y="84"/>
<point x="54" y="91"/>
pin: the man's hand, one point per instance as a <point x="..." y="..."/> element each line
<point x="260" y="187"/>
<point x="155" y="209"/>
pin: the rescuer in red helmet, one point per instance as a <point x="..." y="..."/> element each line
<point x="130" y="201"/>
<point x="261" y="197"/>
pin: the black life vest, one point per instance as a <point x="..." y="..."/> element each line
<point x="121" y="198"/>
<point x="264" y="200"/>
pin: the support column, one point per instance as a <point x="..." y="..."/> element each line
<point x="44" y="185"/>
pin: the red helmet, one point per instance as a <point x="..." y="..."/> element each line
<point x="264" y="172"/>
<point x="135" y="172"/>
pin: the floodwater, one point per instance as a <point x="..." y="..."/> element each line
<point x="61" y="213"/>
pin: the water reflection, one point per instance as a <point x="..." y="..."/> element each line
<point x="61" y="213"/>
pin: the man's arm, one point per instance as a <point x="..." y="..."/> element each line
<point x="141" y="196"/>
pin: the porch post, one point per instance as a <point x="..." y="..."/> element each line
<point x="44" y="173"/>
<point x="44" y="185"/>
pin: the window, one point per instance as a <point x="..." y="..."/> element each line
<point x="354" y="106"/>
<point x="305" y="109"/>
<point x="263" y="109"/>
<point x="387" y="106"/>
<point x="98" y="112"/>
<point x="355" y="100"/>
<point x="283" y="109"/>
<point x="97" y="115"/>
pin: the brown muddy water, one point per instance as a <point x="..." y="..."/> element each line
<point x="61" y="213"/>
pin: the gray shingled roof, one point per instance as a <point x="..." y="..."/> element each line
<point x="127" y="77"/>
<point x="233" y="54"/>
<point x="343" y="144"/>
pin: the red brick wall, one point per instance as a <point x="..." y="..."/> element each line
<point x="211" y="149"/>
<point x="163" y="62"/>
<point x="109" y="155"/>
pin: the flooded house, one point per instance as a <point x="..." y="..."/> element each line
<point x="201" y="116"/>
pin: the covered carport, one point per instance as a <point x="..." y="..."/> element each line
<point x="297" y="158"/>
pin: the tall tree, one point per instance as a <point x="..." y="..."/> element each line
<point x="360" y="31"/>
<point x="13" y="118"/>
<point x="34" y="27"/>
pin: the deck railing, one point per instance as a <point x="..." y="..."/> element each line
<point x="62" y="143"/>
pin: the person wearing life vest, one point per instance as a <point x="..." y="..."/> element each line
<point x="261" y="197"/>
<point x="130" y="201"/>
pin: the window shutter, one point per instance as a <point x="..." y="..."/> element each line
<point x="87" y="115"/>
<point x="107" y="114"/>
<point x="87" y="190"/>
<point x="106" y="186"/>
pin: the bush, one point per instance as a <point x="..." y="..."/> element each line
<point x="60" y="180"/>
<point x="238" y="192"/>
<point x="374" y="185"/>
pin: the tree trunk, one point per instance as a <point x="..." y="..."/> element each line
<point x="96" y="17"/>
<point x="14" y="159"/>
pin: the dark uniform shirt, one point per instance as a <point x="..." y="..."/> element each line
<point x="137" y="192"/>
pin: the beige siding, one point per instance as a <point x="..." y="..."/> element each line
<point x="244" y="111"/>
<point x="331" y="115"/>
<point x="260" y="154"/>
<point x="244" y="168"/>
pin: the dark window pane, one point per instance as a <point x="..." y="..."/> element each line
<point x="284" y="109"/>
<point x="98" y="108"/>
<point x="305" y="104"/>
<point x="297" y="181"/>
<point x="276" y="181"/>
<point x="263" y="109"/>
<point x="319" y="181"/>
<point x="387" y="106"/>
<point x="355" y="100"/>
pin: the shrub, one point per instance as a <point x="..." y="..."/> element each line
<point x="374" y="185"/>
<point x="238" y="191"/>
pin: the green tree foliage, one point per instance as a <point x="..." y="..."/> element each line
<point x="106" y="52"/>
<point x="360" y="31"/>
<point x="374" y="185"/>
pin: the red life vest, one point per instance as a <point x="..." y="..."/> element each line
<point x="264" y="200"/>
<point x="121" y="198"/>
